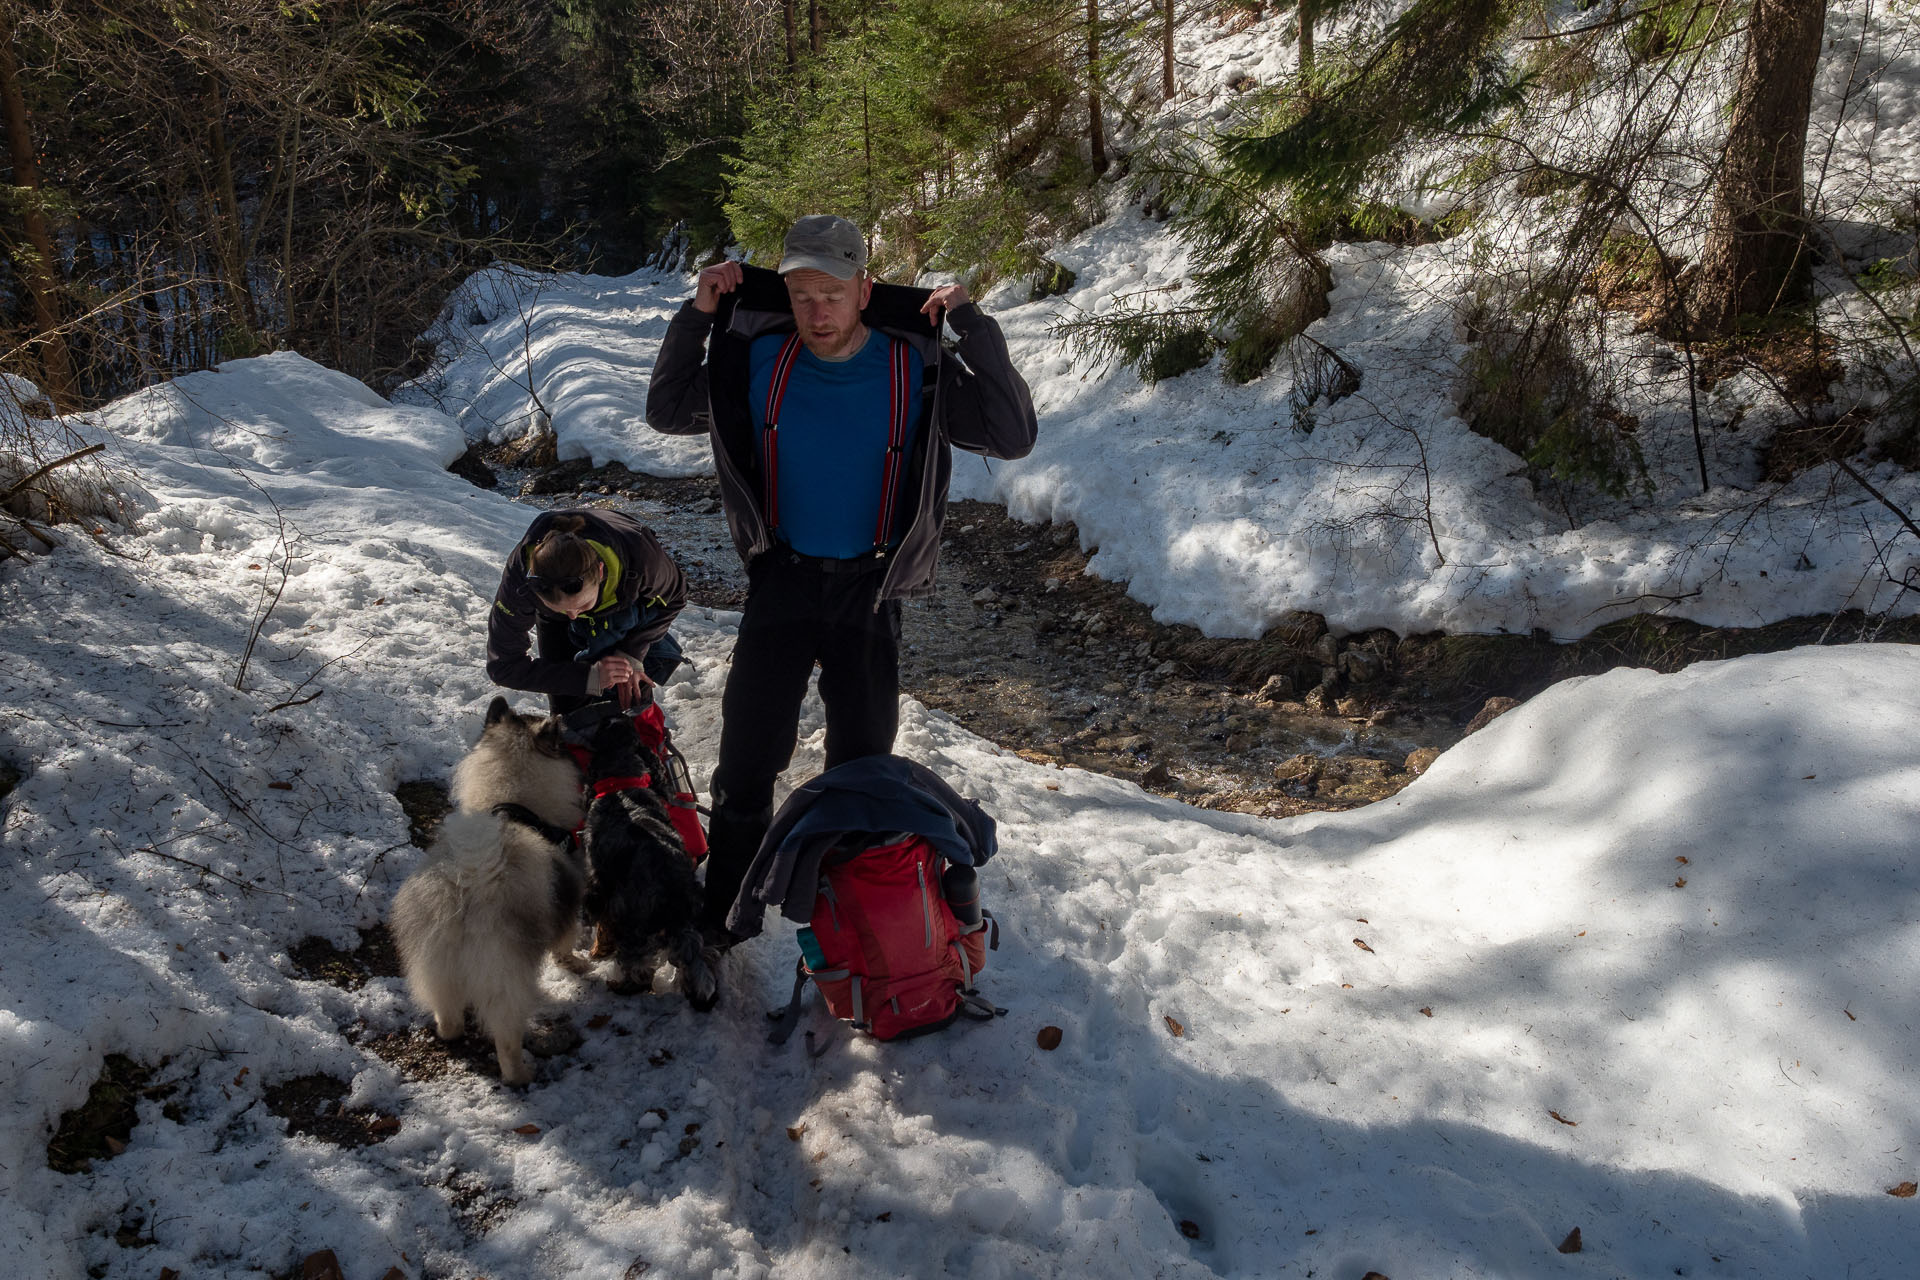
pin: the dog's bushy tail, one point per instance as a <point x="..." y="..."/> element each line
<point x="698" y="969"/>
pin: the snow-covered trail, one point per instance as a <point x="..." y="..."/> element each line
<point x="1736" y="1055"/>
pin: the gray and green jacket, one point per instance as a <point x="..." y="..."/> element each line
<point x="640" y="596"/>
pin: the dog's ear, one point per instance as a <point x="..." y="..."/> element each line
<point x="497" y="710"/>
<point x="550" y="738"/>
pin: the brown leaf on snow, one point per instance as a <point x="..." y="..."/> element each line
<point x="1680" y="858"/>
<point x="598" y="1021"/>
<point x="528" y="1129"/>
<point x="1571" y="1124"/>
<point x="1189" y="1228"/>
<point x="1373" y="1275"/>
<point x="1362" y="944"/>
<point x="394" y="1273"/>
<point x="1905" y="1190"/>
<point x="1681" y="883"/>
<point x="1572" y="1243"/>
<point x="280" y="786"/>
<point x="1850" y="1017"/>
<point x="114" y="1145"/>
<point x="384" y="1125"/>
<point x="1173" y="1027"/>
<point x="1427" y="1009"/>
<point x="1049" y="1038"/>
<point x="321" y="1266"/>
<point x="795" y="1132"/>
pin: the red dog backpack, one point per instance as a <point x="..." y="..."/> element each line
<point x="650" y="723"/>
<point x="650" y="726"/>
<point x="896" y="940"/>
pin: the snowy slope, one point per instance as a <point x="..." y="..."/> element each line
<point x="1733" y="1062"/>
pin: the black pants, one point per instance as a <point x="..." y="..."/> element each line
<point x="798" y="612"/>
<point x="550" y="634"/>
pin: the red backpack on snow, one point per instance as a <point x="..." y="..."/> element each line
<point x="896" y="939"/>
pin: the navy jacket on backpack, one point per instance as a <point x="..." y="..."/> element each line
<point x="871" y="794"/>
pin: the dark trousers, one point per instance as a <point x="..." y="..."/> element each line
<point x="550" y="635"/>
<point x="798" y="612"/>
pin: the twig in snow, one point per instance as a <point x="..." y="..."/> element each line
<point x="24" y="481"/>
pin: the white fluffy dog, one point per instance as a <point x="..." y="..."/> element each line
<point x="497" y="893"/>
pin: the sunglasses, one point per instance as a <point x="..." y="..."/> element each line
<point x="555" y="588"/>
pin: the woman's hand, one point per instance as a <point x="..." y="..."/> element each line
<point x="620" y="674"/>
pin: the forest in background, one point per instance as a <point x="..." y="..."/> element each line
<point x="198" y="180"/>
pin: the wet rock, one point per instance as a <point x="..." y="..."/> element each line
<point x="1303" y="768"/>
<point x="1490" y="711"/>
<point x="1131" y="742"/>
<point x="1421" y="759"/>
<point x="1321" y="700"/>
<point x="561" y="477"/>
<point x="986" y="596"/>
<point x="1362" y="665"/>
<point x="1327" y="650"/>
<point x="1276" y="689"/>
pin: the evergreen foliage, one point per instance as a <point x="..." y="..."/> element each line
<point x="945" y="127"/>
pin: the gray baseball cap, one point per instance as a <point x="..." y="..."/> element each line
<point x="824" y="242"/>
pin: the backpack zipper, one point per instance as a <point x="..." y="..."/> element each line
<point x="826" y="891"/>
<point x="926" y="902"/>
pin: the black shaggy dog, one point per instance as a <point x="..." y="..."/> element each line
<point x="641" y="888"/>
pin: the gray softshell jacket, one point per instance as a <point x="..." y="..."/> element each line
<point x="978" y="402"/>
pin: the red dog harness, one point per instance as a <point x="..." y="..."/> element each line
<point x="682" y="810"/>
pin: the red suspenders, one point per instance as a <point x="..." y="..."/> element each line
<point x="899" y="401"/>
<point x="770" y="440"/>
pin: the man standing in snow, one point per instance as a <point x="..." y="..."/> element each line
<point x="831" y="413"/>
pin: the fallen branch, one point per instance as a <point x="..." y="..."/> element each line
<point x="20" y="484"/>
<point x="295" y="702"/>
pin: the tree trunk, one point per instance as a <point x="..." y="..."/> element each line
<point x="1756" y="258"/>
<point x="816" y="27"/>
<point x="1166" y="53"/>
<point x="791" y="8"/>
<point x="1307" y="8"/>
<point x="233" y="272"/>
<point x="1096" y="127"/>
<point x="41" y="275"/>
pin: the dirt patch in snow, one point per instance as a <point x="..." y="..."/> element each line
<point x="1021" y="646"/>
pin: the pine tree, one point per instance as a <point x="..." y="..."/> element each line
<point x="1756" y="260"/>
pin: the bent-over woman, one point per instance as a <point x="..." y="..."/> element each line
<point x="597" y="592"/>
